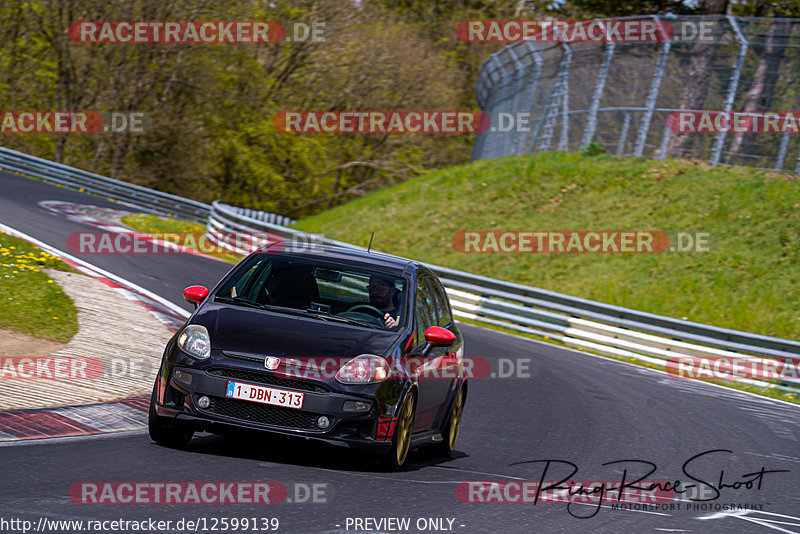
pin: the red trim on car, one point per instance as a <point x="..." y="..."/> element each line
<point x="385" y="428"/>
<point x="410" y="338"/>
<point x="162" y="387"/>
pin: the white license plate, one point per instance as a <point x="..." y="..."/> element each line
<point x="264" y="395"/>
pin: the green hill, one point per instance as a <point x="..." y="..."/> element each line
<point x="749" y="280"/>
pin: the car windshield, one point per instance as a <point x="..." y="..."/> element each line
<point x="327" y="291"/>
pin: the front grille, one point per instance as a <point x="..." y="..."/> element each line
<point x="172" y="395"/>
<point x="247" y="357"/>
<point x="373" y="428"/>
<point x="262" y="413"/>
<point x="265" y="378"/>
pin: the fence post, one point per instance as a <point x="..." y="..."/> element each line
<point x="551" y="110"/>
<point x="782" y="152"/>
<point x="480" y="150"/>
<point x="652" y="96"/>
<point x="591" y="121"/>
<point x="662" y="151"/>
<point x="480" y="95"/>
<point x="626" y="123"/>
<point x="797" y="165"/>
<point x="530" y="94"/>
<point x="520" y="72"/>
<point x="730" y="97"/>
<point x="563" y="143"/>
<point x="497" y="146"/>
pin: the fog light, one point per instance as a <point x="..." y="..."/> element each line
<point x="182" y="376"/>
<point x="203" y="402"/>
<point x="356" y="406"/>
<point x="323" y="422"/>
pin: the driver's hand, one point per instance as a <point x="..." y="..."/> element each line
<point x="390" y="322"/>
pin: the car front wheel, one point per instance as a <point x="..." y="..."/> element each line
<point x="174" y="438"/>
<point x="401" y="441"/>
<point x="453" y="425"/>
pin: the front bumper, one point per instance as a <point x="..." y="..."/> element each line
<point x="178" y="406"/>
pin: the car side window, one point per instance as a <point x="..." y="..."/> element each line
<point x="250" y="279"/>
<point x="443" y="315"/>
<point x="424" y="313"/>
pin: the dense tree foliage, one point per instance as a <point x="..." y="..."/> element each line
<point x="211" y="105"/>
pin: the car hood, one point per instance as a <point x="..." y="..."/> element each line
<point x="265" y="333"/>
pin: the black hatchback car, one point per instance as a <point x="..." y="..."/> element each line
<point x="349" y="347"/>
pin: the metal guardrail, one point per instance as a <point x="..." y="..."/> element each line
<point x="574" y="321"/>
<point x="143" y="198"/>
<point x="586" y="324"/>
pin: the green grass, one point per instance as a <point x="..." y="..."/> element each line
<point x="749" y="281"/>
<point x="153" y="224"/>
<point x="142" y="222"/>
<point x="30" y="301"/>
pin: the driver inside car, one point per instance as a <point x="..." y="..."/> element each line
<point x="384" y="295"/>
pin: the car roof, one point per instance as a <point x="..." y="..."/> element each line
<point x="374" y="260"/>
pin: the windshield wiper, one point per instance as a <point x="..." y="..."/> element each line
<point x="326" y="315"/>
<point x="267" y="307"/>
<point x="239" y="300"/>
<point x="316" y="314"/>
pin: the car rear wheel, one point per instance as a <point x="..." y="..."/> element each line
<point x="453" y="425"/>
<point x="401" y="441"/>
<point x="174" y="438"/>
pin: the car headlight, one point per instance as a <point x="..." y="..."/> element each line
<point x="194" y="340"/>
<point x="363" y="369"/>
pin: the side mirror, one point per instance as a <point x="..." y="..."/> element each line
<point x="436" y="335"/>
<point x="195" y="294"/>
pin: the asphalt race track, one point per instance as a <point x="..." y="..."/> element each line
<point x="573" y="407"/>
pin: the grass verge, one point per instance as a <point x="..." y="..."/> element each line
<point x="152" y="224"/>
<point x="750" y="280"/>
<point x="31" y="301"/>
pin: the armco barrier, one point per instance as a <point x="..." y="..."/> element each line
<point x="571" y="320"/>
<point x="148" y="200"/>
<point x="574" y="321"/>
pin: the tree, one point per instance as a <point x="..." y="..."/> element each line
<point x="211" y="106"/>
